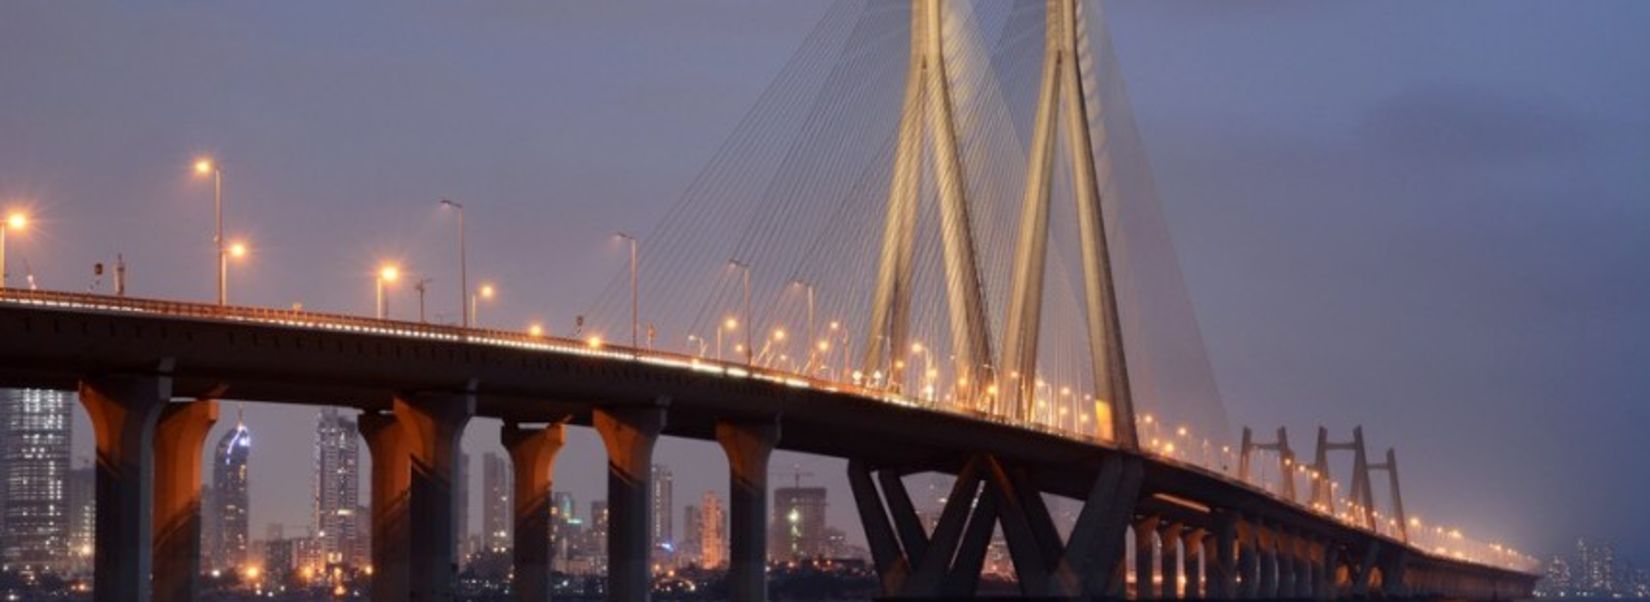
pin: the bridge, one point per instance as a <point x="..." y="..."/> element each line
<point x="1168" y="511"/>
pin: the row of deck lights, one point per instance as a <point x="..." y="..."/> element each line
<point x="1440" y="540"/>
<point x="773" y="353"/>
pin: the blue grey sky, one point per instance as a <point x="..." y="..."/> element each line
<point x="1428" y="218"/>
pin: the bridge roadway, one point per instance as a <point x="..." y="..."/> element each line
<point x="419" y="383"/>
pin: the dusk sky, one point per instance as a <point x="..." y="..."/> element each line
<point x="1428" y="218"/>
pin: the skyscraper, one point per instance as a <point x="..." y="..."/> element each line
<point x="337" y="487"/>
<point x="34" y="441"/>
<point x="713" y="544"/>
<point x="82" y="514"/>
<point x="664" y="484"/>
<point x="229" y="484"/>
<point x="461" y="507"/>
<point x="495" y="506"/>
<point x="798" y="528"/>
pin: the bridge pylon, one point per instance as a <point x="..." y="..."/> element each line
<point x="1061" y="94"/>
<point x="1286" y="459"/>
<point x="927" y="109"/>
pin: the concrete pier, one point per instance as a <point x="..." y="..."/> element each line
<point x="391" y="529"/>
<point x="533" y="460"/>
<point x="748" y="446"/>
<point x="629" y="433"/>
<point x="124" y="411"/>
<point x="433" y="424"/>
<point x="179" y="436"/>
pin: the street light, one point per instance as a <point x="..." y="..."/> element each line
<point x="730" y="324"/>
<point x="635" y="294"/>
<point x="236" y="250"/>
<point x="18" y="221"/>
<point x="205" y="166"/>
<point x="463" y="265"/>
<point x="484" y="293"/>
<point x="746" y="269"/>
<point x="387" y="274"/>
<point x="809" y="287"/>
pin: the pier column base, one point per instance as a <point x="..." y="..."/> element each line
<point x="391" y="534"/>
<point x="533" y="460"/>
<point x="629" y="434"/>
<point x="748" y="446"/>
<point x="124" y="411"/>
<point x="179" y="436"/>
<point x="433" y="424"/>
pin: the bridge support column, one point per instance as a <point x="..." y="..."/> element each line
<point x="1145" y="531"/>
<point x="1284" y="546"/>
<point x="1222" y="573"/>
<point x="1250" y="565"/>
<point x="1304" y="582"/>
<point x="432" y="424"/>
<point x="179" y="436"/>
<point x="1168" y="558"/>
<point x="629" y="434"/>
<point x="533" y="461"/>
<point x="1195" y="554"/>
<point x="1267" y="552"/>
<point x="748" y="446"/>
<point x="391" y="523"/>
<point x="124" y="411"/>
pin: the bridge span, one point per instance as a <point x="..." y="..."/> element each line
<point x="149" y="373"/>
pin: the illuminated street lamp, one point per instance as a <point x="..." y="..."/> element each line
<point x="236" y="250"/>
<point x="745" y="268"/>
<point x="17" y="221"/>
<point x="484" y="293"/>
<point x="387" y="274"/>
<point x="205" y="166"/>
<point x="729" y="324"/>
<point x="463" y="265"/>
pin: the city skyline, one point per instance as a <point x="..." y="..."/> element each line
<point x="1429" y="231"/>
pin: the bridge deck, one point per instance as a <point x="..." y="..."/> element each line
<point x="51" y="340"/>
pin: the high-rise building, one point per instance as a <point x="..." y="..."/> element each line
<point x="495" y="505"/>
<point x="566" y="541"/>
<point x="82" y="515"/>
<point x="664" y="485"/>
<point x="712" y="536"/>
<point x="598" y="536"/>
<point x="798" y="527"/>
<point x="34" y="441"/>
<point x="229" y="485"/>
<point x="337" y="487"/>
<point x="1595" y="566"/>
<point x="688" y="543"/>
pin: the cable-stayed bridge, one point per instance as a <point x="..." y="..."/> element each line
<point x="933" y="244"/>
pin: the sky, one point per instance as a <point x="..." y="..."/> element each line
<point x="1427" y="218"/>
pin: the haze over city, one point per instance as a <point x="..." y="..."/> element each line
<point x="1427" y="219"/>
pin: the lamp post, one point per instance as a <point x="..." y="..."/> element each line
<point x="463" y="265"/>
<point x="812" y="333"/>
<point x="746" y="269"/>
<point x="386" y="275"/>
<point x="730" y="324"/>
<point x="235" y="250"/>
<point x="484" y="293"/>
<point x="635" y="292"/>
<point x="204" y="167"/>
<point x="17" y="220"/>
